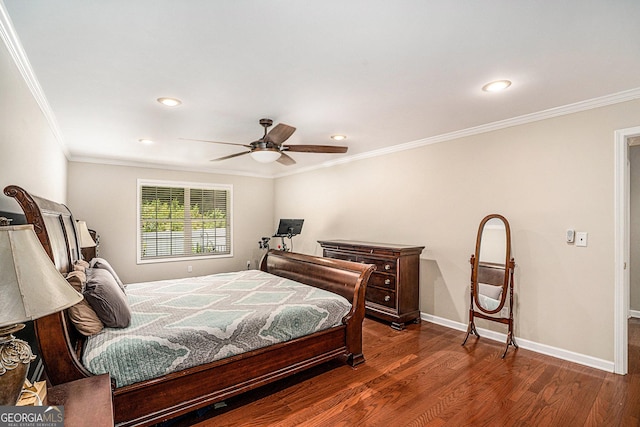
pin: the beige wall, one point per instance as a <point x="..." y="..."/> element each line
<point x="30" y="156"/>
<point x="544" y="177"/>
<point x="106" y="197"/>
<point x="634" y="226"/>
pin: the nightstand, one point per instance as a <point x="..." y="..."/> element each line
<point x="87" y="402"/>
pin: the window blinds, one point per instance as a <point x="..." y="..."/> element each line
<point x="184" y="222"/>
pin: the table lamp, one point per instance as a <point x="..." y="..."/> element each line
<point x="86" y="241"/>
<point x="30" y="287"/>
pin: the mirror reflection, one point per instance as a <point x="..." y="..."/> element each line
<point x="489" y="296"/>
<point x="492" y="261"/>
<point x="493" y="248"/>
<point x="492" y="277"/>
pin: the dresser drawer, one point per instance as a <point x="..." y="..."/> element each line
<point x="340" y="255"/>
<point x="381" y="296"/>
<point x="386" y="265"/>
<point x="382" y="281"/>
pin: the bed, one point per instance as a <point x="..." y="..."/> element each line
<point x="167" y="395"/>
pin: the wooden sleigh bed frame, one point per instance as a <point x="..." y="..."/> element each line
<point x="159" y="399"/>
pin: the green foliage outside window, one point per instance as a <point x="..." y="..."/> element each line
<point x="159" y="215"/>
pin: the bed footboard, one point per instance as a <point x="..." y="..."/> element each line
<point x="348" y="279"/>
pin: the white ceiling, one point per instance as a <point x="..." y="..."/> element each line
<point x="385" y="73"/>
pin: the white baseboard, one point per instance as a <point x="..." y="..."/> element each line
<point x="593" y="362"/>
<point x="634" y="313"/>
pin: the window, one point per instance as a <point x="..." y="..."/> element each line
<point x="177" y="221"/>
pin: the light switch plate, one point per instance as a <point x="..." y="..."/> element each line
<point x="581" y="238"/>
<point x="571" y="235"/>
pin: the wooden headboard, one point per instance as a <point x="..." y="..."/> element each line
<point x="492" y="274"/>
<point x="54" y="225"/>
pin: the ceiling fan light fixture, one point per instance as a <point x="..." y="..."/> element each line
<point x="169" y="102"/>
<point x="496" y="86"/>
<point x="267" y="155"/>
<point x="338" y="137"/>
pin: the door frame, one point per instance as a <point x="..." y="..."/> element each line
<point x="622" y="195"/>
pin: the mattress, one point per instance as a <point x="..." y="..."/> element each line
<point x="178" y="324"/>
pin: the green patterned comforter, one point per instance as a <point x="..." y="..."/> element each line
<point x="177" y="324"/>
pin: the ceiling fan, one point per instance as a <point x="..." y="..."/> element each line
<point x="270" y="147"/>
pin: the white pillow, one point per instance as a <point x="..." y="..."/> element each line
<point x="491" y="291"/>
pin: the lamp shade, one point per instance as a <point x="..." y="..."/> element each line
<point x="30" y="285"/>
<point x="86" y="241"/>
<point x="266" y="155"/>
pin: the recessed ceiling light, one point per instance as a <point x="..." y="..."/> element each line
<point x="496" y="86"/>
<point x="169" y="102"/>
<point x="145" y="141"/>
<point x="338" y="137"/>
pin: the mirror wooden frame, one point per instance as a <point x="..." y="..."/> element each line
<point x="494" y="273"/>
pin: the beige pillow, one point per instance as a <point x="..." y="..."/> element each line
<point x="80" y="265"/>
<point x="77" y="279"/>
<point x="83" y="317"/>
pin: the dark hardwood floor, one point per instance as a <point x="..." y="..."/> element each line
<point x="423" y="377"/>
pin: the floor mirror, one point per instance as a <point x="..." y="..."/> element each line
<point x="491" y="293"/>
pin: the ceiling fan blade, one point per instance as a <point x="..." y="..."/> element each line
<point x="216" y="142"/>
<point x="231" y="156"/>
<point x="280" y="133"/>
<point x="315" y="148"/>
<point x="285" y="160"/>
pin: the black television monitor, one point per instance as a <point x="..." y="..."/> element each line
<point x="289" y="227"/>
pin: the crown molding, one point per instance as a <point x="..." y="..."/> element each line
<point x="163" y="166"/>
<point x="590" y="104"/>
<point x="14" y="46"/>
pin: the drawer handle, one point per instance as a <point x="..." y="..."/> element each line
<point x="387" y="281"/>
<point x="387" y="267"/>
<point x="387" y="298"/>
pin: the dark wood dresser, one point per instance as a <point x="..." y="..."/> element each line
<point x="393" y="291"/>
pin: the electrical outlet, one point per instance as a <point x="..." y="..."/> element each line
<point x="581" y="238"/>
<point x="189" y="269"/>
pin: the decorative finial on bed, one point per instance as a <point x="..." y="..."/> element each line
<point x="4" y="222"/>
